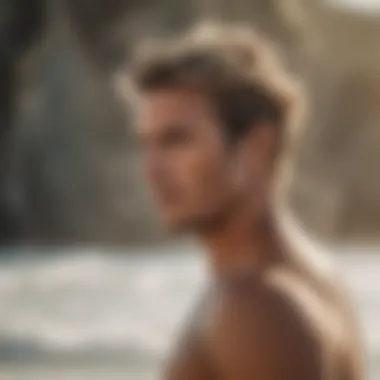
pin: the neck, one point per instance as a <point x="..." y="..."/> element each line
<point x="246" y="236"/>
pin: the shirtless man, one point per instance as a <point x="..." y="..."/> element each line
<point x="213" y="114"/>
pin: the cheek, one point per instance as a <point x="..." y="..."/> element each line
<point x="187" y="167"/>
<point x="201" y="172"/>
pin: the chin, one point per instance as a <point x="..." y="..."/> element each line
<point x="189" y="224"/>
<point x="180" y="225"/>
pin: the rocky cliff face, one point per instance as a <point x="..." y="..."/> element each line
<point x="336" y="189"/>
<point x="72" y="161"/>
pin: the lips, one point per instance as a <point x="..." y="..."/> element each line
<point x="167" y="195"/>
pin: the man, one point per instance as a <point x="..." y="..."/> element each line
<point x="214" y="110"/>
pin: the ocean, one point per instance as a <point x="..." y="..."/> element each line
<point x="98" y="313"/>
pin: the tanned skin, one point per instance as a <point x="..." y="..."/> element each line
<point x="275" y="310"/>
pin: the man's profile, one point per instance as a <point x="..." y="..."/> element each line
<point x="214" y="115"/>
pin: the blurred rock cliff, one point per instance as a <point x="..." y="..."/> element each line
<point x="69" y="168"/>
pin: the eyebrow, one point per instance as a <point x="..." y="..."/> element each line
<point x="169" y="129"/>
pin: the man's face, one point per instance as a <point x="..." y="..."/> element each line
<point x="192" y="170"/>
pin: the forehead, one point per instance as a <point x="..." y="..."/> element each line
<point x="168" y="107"/>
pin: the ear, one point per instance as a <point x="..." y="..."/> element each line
<point x="260" y="146"/>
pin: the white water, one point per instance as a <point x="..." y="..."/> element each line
<point x="118" y="313"/>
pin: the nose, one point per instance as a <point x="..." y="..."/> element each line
<point x="153" y="165"/>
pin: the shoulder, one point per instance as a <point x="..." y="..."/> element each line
<point x="262" y="303"/>
<point x="253" y="325"/>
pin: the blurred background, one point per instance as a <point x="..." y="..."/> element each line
<point x="89" y="286"/>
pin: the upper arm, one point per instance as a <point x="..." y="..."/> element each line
<point x="262" y="337"/>
<point x="189" y="361"/>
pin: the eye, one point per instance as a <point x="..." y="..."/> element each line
<point x="176" y="136"/>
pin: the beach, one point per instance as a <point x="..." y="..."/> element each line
<point x="99" y="313"/>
